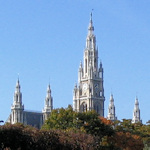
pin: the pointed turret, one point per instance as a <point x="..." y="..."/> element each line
<point x="91" y="27"/>
<point x="90" y="53"/>
<point x="48" y="104"/>
<point x="111" y="109"/>
<point x="17" y="107"/>
<point x="17" y="86"/>
<point x="136" y="112"/>
<point x="101" y="70"/>
<point x="91" y="39"/>
<point x="18" y="94"/>
<point x="75" y="92"/>
<point x="80" y="73"/>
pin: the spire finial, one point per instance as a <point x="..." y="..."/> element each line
<point x="136" y="95"/>
<point x="111" y="91"/>
<point x="18" y="84"/>
<point x="49" y="80"/>
<point x="91" y="14"/>
<point x="91" y="28"/>
<point x="18" y="77"/>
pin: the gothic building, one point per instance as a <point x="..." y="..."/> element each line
<point x="35" y="119"/>
<point x="89" y="93"/>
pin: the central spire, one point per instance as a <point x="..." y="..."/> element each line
<point x="90" y="40"/>
<point x="89" y="94"/>
<point x="91" y="27"/>
<point x="17" y="86"/>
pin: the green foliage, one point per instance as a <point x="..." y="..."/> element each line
<point x="87" y="122"/>
<point x="69" y="130"/>
<point x="60" y="119"/>
<point x="91" y="123"/>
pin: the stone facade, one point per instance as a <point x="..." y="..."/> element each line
<point x="89" y="93"/>
<point x="35" y="119"/>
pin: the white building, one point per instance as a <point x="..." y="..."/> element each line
<point x="35" y="119"/>
<point x="89" y="93"/>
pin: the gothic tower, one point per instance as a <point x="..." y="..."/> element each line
<point x="48" y="104"/>
<point x="89" y="93"/>
<point x="17" y="108"/>
<point x="111" y="109"/>
<point x="136" y="112"/>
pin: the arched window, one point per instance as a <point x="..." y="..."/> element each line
<point x="100" y="74"/>
<point x="95" y="62"/>
<point x="100" y="93"/>
<point x="13" y="116"/>
<point x="85" y="65"/>
<point x="97" y="107"/>
<point x="17" y="98"/>
<point x="83" y="107"/>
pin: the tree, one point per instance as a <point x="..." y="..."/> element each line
<point x="92" y="124"/>
<point x="60" y="119"/>
<point x="20" y="137"/>
<point x="10" y="134"/>
<point x="125" y="141"/>
<point x="88" y="122"/>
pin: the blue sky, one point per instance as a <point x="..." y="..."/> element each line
<point x="44" y="41"/>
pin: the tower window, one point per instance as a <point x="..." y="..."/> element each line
<point x="84" y="107"/>
<point x="100" y="93"/>
<point x="96" y="108"/>
<point x="17" y="97"/>
<point x="85" y="65"/>
<point x="13" y="116"/>
<point x="95" y="62"/>
<point x="100" y="74"/>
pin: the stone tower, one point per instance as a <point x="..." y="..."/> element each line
<point x="17" y="108"/>
<point x="89" y="93"/>
<point x="136" y="112"/>
<point x="33" y="118"/>
<point x="111" y="109"/>
<point x="48" y="104"/>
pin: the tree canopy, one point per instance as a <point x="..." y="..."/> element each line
<point x="67" y="129"/>
<point x="88" y="122"/>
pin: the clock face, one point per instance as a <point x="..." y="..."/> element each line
<point x="85" y="86"/>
